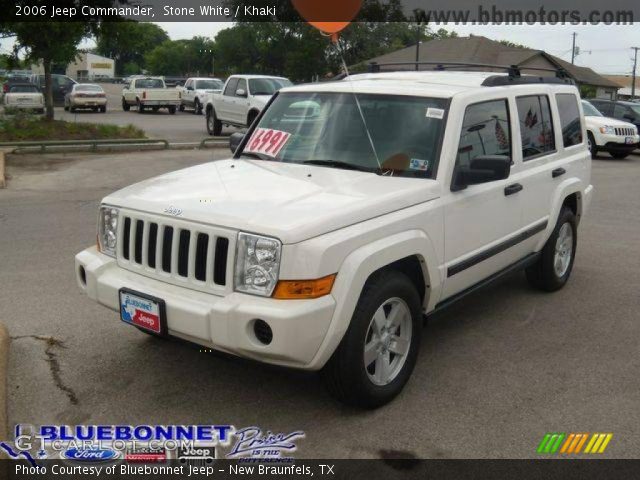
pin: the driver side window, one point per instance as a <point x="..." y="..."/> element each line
<point x="485" y="131"/>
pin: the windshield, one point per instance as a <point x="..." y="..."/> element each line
<point x="327" y="129"/>
<point x="267" y="86"/>
<point x="23" y="89"/>
<point x="590" y="110"/>
<point x="149" y="83"/>
<point x="635" y="108"/>
<point x="209" y="84"/>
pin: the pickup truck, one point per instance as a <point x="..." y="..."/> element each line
<point x="348" y="211"/>
<point x="149" y="92"/>
<point x="242" y="99"/>
<point x="196" y="91"/>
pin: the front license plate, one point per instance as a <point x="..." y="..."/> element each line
<point x="143" y="311"/>
<point x="629" y="140"/>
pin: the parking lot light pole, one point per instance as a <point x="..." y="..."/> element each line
<point x="633" y="75"/>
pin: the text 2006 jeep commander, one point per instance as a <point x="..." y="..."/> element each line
<point x="349" y="210"/>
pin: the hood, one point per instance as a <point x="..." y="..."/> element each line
<point x="597" y="122"/>
<point x="288" y="201"/>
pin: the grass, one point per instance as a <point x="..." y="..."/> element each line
<point x="26" y="127"/>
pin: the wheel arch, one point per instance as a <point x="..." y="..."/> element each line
<point x="410" y="252"/>
<point x="568" y="193"/>
<point x="252" y="115"/>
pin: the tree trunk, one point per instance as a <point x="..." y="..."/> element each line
<point x="48" y="89"/>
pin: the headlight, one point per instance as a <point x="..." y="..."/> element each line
<point x="608" y="130"/>
<point x="108" y="230"/>
<point x="257" y="264"/>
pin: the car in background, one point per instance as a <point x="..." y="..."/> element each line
<point x="86" y="96"/>
<point x="61" y="85"/>
<point x="241" y="101"/>
<point x="24" y="96"/>
<point x="196" y="91"/>
<point x="608" y="134"/>
<point x="622" y="110"/>
<point x="150" y="92"/>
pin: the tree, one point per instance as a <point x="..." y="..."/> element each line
<point x="181" y="57"/>
<point x="128" y="43"/>
<point x="49" y="43"/>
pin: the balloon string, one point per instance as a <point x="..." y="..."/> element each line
<point x="364" y="122"/>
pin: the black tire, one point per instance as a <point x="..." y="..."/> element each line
<point x="251" y="117"/>
<point x="197" y="108"/>
<point x="619" y="155"/>
<point x="593" y="148"/>
<point x="66" y="108"/>
<point x="140" y="106"/>
<point x="103" y="109"/>
<point x="181" y="107"/>
<point x="542" y="274"/>
<point x="214" y="126"/>
<point x="155" y="109"/>
<point x="125" y="106"/>
<point x="172" y="110"/>
<point x="345" y="375"/>
<point x="72" y="109"/>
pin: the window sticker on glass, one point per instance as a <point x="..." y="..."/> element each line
<point x="418" y="164"/>
<point x="267" y="141"/>
<point x="435" y="113"/>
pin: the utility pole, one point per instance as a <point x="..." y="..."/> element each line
<point x="633" y="75"/>
<point x="418" y="35"/>
<point x="573" y="47"/>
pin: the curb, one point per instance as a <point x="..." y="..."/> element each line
<point x="5" y="340"/>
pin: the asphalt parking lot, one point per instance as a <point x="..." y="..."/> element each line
<point x="495" y="372"/>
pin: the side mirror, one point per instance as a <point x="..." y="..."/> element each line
<point x="482" y="169"/>
<point x="241" y="92"/>
<point x="189" y="88"/>
<point x="235" y="140"/>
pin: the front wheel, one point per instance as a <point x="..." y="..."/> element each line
<point x="197" y="108"/>
<point x="593" y="147"/>
<point x="375" y="359"/>
<point x="214" y="126"/>
<point x="125" y="106"/>
<point x="553" y="268"/>
<point x="172" y="110"/>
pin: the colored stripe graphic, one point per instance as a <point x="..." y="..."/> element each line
<point x="573" y="443"/>
<point x="551" y="442"/>
<point x="598" y="443"/>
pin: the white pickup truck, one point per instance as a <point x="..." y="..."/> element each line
<point x="149" y="93"/>
<point x="196" y="91"/>
<point x="242" y="99"/>
<point x="349" y="211"/>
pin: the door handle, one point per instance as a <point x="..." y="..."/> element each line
<point x="557" y="172"/>
<point x="511" y="189"/>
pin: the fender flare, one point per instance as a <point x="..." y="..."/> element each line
<point x="566" y="188"/>
<point x="358" y="267"/>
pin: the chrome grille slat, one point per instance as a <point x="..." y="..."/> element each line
<point x="201" y="246"/>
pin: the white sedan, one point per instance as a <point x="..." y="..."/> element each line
<point x="24" y="96"/>
<point x="609" y="134"/>
<point x="86" y="95"/>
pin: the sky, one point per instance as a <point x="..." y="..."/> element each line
<point x="605" y="49"/>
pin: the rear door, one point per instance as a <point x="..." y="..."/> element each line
<point x="481" y="220"/>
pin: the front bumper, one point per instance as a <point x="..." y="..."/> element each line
<point x="222" y="323"/>
<point x="617" y="142"/>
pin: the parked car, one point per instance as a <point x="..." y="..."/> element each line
<point x="608" y="134"/>
<point x="24" y="96"/>
<point x="242" y="99"/>
<point x="86" y="96"/>
<point x="349" y="210"/>
<point x="61" y="85"/>
<point x="14" y="80"/>
<point x="196" y="91"/>
<point x="149" y="92"/>
<point x="622" y="110"/>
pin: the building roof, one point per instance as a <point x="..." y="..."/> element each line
<point x="478" y="49"/>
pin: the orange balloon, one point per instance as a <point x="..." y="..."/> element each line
<point x="340" y="11"/>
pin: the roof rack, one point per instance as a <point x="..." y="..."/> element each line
<point x="513" y="77"/>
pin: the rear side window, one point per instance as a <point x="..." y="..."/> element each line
<point x="485" y="131"/>
<point x="230" y="89"/>
<point x="569" y="119"/>
<point x="536" y="127"/>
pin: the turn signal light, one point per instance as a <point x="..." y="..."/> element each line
<point x="304" y="289"/>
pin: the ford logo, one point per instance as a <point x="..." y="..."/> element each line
<point x="90" y="455"/>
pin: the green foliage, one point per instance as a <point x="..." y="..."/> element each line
<point x="181" y="57"/>
<point x="588" y="91"/>
<point x="24" y="127"/>
<point x="128" y="42"/>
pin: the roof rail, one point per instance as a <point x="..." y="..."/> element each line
<point x="514" y="74"/>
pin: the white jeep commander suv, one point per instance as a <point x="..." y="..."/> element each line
<point x="349" y="211"/>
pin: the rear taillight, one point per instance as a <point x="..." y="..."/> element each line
<point x="144" y="95"/>
<point x="5" y="88"/>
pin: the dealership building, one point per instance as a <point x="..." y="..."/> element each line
<point x="86" y="67"/>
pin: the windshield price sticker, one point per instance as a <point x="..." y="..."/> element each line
<point x="267" y="141"/>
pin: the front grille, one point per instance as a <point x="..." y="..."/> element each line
<point x="175" y="251"/>
<point x="624" y="131"/>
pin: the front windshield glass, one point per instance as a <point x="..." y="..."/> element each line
<point x="209" y="84"/>
<point x="590" y="110"/>
<point x="635" y="108"/>
<point x="327" y="129"/>
<point x="267" y="86"/>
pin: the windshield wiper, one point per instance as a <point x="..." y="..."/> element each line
<point x="344" y="165"/>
